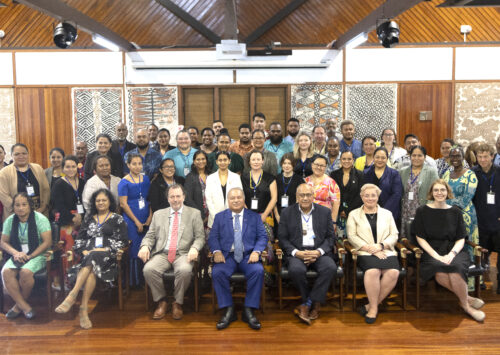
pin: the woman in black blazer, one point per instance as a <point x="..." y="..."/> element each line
<point x="349" y="181"/>
<point x="195" y="184"/>
<point x="160" y="184"/>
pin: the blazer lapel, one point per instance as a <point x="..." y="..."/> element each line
<point x="164" y="229"/>
<point x="380" y="225"/>
<point x="245" y="224"/>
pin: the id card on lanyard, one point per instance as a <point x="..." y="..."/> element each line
<point x="142" y="202"/>
<point x="254" y="205"/>
<point x="30" y="189"/>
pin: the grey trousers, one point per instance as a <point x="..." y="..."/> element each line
<point x="158" y="265"/>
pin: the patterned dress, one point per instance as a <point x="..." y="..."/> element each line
<point x="103" y="263"/>
<point x="409" y="207"/>
<point x="326" y="192"/>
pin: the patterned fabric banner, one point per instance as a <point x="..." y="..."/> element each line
<point x="8" y="120"/>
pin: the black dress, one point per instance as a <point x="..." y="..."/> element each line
<point x="288" y="186"/>
<point x="303" y="168"/>
<point x="28" y="178"/>
<point x="158" y="192"/>
<point x="262" y="191"/>
<point x="350" y="197"/>
<point x="441" y="228"/>
<point x="194" y="193"/>
<point x="64" y="200"/>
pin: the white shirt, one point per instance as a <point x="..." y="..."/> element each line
<point x="307" y="225"/>
<point x="171" y="224"/>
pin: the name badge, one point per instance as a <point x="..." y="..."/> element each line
<point x="284" y="201"/>
<point x="79" y="208"/>
<point x="142" y="203"/>
<point x="255" y="204"/>
<point x="490" y="198"/>
<point x="410" y="195"/>
<point x="98" y="242"/>
<point x="25" y="248"/>
<point x="30" y="190"/>
<point x="186" y="171"/>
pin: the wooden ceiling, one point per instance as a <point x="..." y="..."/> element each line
<point x="316" y="22"/>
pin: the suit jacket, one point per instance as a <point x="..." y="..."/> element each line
<point x="191" y="233"/>
<point x="115" y="147"/>
<point x="391" y="186"/>
<point x="222" y="234"/>
<point x="290" y="229"/>
<point x="213" y="193"/>
<point x="427" y="176"/>
<point x="194" y="195"/>
<point x="359" y="231"/>
<point x="350" y="198"/>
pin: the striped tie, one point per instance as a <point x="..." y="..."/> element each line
<point x="172" y="248"/>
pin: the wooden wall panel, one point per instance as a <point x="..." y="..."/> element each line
<point x="435" y="97"/>
<point x="198" y="107"/>
<point x="44" y="121"/>
<point x="272" y="102"/>
<point x="234" y="108"/>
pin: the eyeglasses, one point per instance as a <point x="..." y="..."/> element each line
<point x="169" y="167"/>
<point x="319" y="165"/>
<point x="305" y="195"/>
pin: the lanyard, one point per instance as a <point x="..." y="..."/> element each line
<point x="412" y="180"/>
<point x="74" y="190"/>
<point x="104" y="221"/>
<point x="272" y="146"/>
<point x="137" y="183"/>
<point x="186" y="159"/>
<point x="285" y="185"/>
<point x="257" y="184"/>
<point x="23" y="231"/>
<point x="483" y="175"/>
<point x="25" y="177"/>
<point x="304" y="218"/>
<point x="303" y="167"/>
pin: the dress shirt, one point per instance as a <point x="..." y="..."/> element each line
<point x="355" y="147"/>
<point x="290" y="139"/>
<point x="181" y="160"/>
<point x="307" y="225"/>
<point x="241" y="225"/>
<point x="150" y="162"/>
<point x="170" y="227"/>
<point x="279" y="150"/>
<point x="405" y="162"/>
<point x="322" y="151"/>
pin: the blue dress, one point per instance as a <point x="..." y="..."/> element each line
<point x="134" y="193"/>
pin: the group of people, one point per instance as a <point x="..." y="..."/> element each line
<point x="171" y="205"/>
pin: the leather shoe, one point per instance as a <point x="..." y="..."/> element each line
<point x="176" y="311"/>
<point x="228" y="317"/>
<point x="370" y="320"/>
<point x="160" y="311"/>
<point x="248" y="317"/>
<point x="314" y="313"/>
<point x="302" y="312"/>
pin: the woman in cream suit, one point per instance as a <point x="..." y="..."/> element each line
<point x="372" y="232"/>
<point x="218" y="185"/>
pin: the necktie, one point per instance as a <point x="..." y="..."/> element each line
<point x="172" y="248"/>
<point x="238" y="242"/>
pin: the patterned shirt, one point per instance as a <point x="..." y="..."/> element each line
<point x="150" y="162"/>
<point x="405" y="162"/>
<point x="182" y="162"/>
<point x="238" y="149"/>
<point x="280" y="150"/>
<point x="326" y="192"/>
<point x="355" y="148"/>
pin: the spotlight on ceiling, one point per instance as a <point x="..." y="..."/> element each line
<point x="64" y="35"/>
<point x="388" y="33"/>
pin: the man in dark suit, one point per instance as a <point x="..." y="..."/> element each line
<point x="307" y="238"/>
<point x="121" y="145"/>
<point x="237" y="239"/>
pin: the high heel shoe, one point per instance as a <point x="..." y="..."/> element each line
<point x="85" y="322"/>
<point x="66" y="305"/>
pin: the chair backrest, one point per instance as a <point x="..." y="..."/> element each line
<point x="56" y="232"/>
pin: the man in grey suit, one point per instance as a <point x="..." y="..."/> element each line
<point x="174" y="240"/>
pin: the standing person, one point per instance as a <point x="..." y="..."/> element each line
<point x="173" y="241"/>
<point x="23" y="176"/>
<point x="388" y="180"/>
<point x="102" y="235"/>
<point x="217" y="125"/>
<point x="164" y="141"/>
<point x="364" y="162"/>
<point x="244" y="145"/>
<point x="333" y="156"/>
<point x="81" y="151"/>
<point x="487" y="202"/>
<point x="259" y="122"/>
<point x="103" y="143"/>
<point x="219" y="184"/>
<point x="443" y="163"/>
<point x="388" y="140"/>
<point x="3" y="164"/>
<point x="208" y="140"/>
<point x="411" y="141"/>
<point x="270" y="164"/>
<point x="56" y="156"/>
<point x="470" y="154"/>
<point x="151" y="158"/>
<point x="182" y="155"/>
<point x="26" y="236"/>
<point x="416" y="179"/>
<point x="101" y="180"/>
<point x="223" y="143"/>
<point x="331" y="129"/>
<point x="303" y="153"/>
<point x="275" y="144"/>
<point x="306" y="235"/>
<point x="286" y="183"/>
<point x="133" y="190"/>
<point x="121" y="145"/>
<point x="195" y="185"/>
<point x="153" y="135"/>
<point x="293" y="128"/>
<point x="67" y="206"/>
<point x="349" y="181"/>
<point x="237" y="240"/>
<point x="319" y="136"/>
<point x="159" y="185"/>
<point x="193" y="135"/>
<point x="496" y="160"/>
<point x="348" y="142"/>
<point x="326" y="190"/>
<point x="441" y="233"/>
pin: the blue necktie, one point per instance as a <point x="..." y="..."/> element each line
<point x="238" y="242"/>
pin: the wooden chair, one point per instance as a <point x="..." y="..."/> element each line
<point x="357" y="274"/>
<point x="169" y="278"/>
<point x="283" y="274"/>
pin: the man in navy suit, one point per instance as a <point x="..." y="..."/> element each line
<point x="307" y="238"/>
<point x="237" y="239"/>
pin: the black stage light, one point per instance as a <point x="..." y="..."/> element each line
<point x="388" y="34"/>
<point x="64" y="35"/>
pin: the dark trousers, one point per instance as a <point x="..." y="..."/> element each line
<point x="326" y="269"/>
<point x="221" y="276"/>
<point x="491" y="241"/>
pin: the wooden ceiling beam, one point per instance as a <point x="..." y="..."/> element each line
<point x="64" y="12"/>
<point x="190" y="20"/>
<point x="388" y="10"/>
<point x="280" y="15"/>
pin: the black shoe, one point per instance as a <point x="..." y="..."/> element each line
<point x="12" y="313"/>
<point x="228" y="317"/>
<point x="247" y="316"/>
<point x="362" y="310"/>
<point x="370" y="320"/>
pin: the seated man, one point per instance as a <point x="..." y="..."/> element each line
<point x="173" y="240"/>
<point x="237" y="239"/>
<point x="307" y="238"/>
